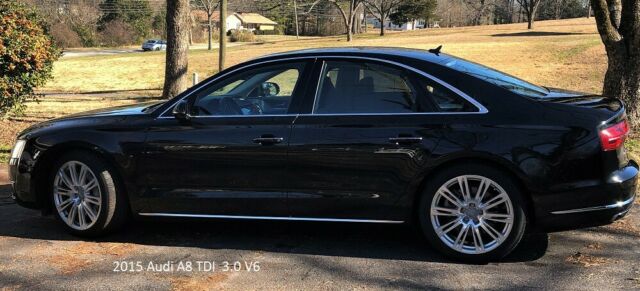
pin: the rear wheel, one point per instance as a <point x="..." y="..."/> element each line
<point x="85" y="195"/>
<point x="473" y="213"/>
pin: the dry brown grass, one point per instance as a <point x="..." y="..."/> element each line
<point x="565" y="53"/>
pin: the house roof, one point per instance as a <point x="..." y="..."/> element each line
<point x="245" y="17"/>
<point x="256" y="18"/>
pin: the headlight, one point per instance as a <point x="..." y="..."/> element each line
<point x="16" y="153"/>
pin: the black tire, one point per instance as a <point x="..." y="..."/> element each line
<point x="157" y="49"/>
<point x="113" y="211"/>
<point x="503" y="180"/>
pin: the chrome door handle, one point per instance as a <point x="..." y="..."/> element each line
<point x="268" y="140"/>
<point x="405" y="140"/>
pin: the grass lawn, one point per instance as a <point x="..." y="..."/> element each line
<point x="559" y="53"/>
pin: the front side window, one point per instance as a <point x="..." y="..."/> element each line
<point x="360" y="87"/>
<point x="267" y="90"/>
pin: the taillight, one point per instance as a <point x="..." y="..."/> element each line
<point x="613" y="136"/>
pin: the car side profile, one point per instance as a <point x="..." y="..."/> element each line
<point x="154" y="45"/>
<point x="473" y="156"/>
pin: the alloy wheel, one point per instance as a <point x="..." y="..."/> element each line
<point x="76" y="195"/>
<point x="472" y="214"/>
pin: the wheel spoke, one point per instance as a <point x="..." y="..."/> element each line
<point x="501" y="198"/>
<point x="498" y="217"/>
<point x="92" y="199"/>
<point x="462" y="235"/>
<point x="64" y="192"/>
<point x="90" y="213"/>
<point x="441" y="211"/>
<point x="64" y="205"/>
<point x="464" y="188"/>
<point x="92" y="184"/>
<point x="72" y="215"/>
<point x="477" y="239"/>
<point x="442" y="230"/>
<point x="83" y="175"/>
<point x="73" y="173"/>
<point x="65" y="179"/>
<point x="444" y="192"/>
<point x="81" y="216"/>
<point x="496" y="235"/>
<point x="482" y="189"/>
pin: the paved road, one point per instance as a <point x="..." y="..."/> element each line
<point x="36" y="254"/>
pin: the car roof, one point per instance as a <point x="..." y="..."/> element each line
<point x="380" y="52"/>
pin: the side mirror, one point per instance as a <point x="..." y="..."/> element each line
<point x="270" y="89"/>
<point x="181" y="110"/>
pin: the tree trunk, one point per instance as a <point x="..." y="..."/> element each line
<point x="349" y="34"/>
<point x="175" y="76"/>
<point x="622" y="81"/>
<point x="530" y="20"/>
<point x="222" y="50"/>
<point x="209" y="33"/>
<point x="382" y="26"/>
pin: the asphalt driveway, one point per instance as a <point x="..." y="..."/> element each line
<point x="35" y="253"/>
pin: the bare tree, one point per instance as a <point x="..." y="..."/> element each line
<point x="530" y="9"/>
<point x="618" y="23"/>
<point x="348" y="9"/>
<point x="175" y="75"/>
<point x="381" y="9"/>
<point x="209" y="7"/>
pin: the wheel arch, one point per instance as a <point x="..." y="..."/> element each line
<point x="497" y="163"/>
<point x="45" y="162"/>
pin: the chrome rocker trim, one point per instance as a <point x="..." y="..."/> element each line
<point x="619" y="204"/>
<point x="269" y="218"/>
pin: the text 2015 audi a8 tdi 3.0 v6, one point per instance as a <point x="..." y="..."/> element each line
<point x="371" y="135"/>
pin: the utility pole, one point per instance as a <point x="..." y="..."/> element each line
<point x="223" y="35"/>
<point x="295" y="12"/>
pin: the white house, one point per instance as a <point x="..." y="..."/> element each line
<point x="238" y="21"/>
<point x="388" y="24"/>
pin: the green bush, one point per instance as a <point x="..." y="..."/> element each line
<point x="242" y="36"/>
<point x="27" y="53"/>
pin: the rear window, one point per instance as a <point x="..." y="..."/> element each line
<point x="498" y="78"/>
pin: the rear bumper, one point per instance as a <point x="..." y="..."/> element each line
<point x="590" y="205"/>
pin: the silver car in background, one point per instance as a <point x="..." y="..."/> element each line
<point x="154" y="45"/>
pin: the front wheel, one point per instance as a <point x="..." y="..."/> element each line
<point x="473" y="213"/>
<point x="85" y="195"/>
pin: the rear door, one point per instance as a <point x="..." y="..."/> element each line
<point x="365" y="139"/>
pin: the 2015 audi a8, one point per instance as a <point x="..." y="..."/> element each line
<point x="372" y="135"/>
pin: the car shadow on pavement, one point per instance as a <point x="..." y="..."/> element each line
<point x="393" y="242"/>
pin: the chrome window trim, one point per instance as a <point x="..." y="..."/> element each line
<point x="288" y="218"/>
<point x="481" y="108"/>
<point x="619" y="204"/>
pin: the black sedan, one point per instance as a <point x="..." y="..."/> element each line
<point x="473" y="156"/>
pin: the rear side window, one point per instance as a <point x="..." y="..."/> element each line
<point x="360" y="87"/>
<point x="444" y="100"/>
<point x="365" y="87"/>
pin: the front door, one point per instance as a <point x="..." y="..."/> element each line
<point x="228" y="158"/>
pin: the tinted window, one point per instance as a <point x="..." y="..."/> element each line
<point x="260" y="91"/>
<point x="356" y="87"/>
<point x="444" y="100"/>
<point x="498" y="78"/>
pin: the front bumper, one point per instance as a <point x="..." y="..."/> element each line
<point x="22" y="182"/>
<point x="590" y="205"/>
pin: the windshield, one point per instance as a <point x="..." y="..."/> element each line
<point x="151" y="41"/>
<point x="498" y="78"/>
